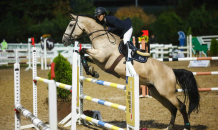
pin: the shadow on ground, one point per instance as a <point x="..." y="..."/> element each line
<point x="154" y="124"/>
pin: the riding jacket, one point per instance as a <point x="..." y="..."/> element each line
<point x="117" y="26"/>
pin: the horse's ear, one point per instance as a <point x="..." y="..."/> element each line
<point x="72" y="16"/>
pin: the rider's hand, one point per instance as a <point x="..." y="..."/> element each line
<point x="109" y="29"/>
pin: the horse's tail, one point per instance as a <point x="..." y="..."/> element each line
<point x="187" y="81"/>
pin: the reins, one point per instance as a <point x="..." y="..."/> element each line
<point x="89" y="34"/>
<point x="106" y="32"/>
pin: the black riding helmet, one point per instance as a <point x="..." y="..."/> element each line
<point x="100" y="11"/>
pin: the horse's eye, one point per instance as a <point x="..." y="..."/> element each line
<point x="71" y="25"/>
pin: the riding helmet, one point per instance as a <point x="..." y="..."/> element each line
<point x="100" y="11"/>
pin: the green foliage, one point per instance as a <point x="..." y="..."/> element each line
<point x="200" y="20"/>
<point x="137" y="24"/>
<point x="63" y="74"/>
<point x="9" y="27"/>
<point x="41" y="28"/>
<point x="166" y="27"/>
<point x="132" y="11"/>
<point x="23" y="19"/>
<point x="140" y="20"/>
<point x="214" y="47"/>
<point x="60" y="24"/>
<point x="184" y="8"/>
<point x="213" y="25"/>
<point x="83" y="6"/>
<point x="189" y="32"/>
<point x="35" y="18"/>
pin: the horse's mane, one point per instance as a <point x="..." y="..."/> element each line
<point x="89" y="16"/>
<point x="102" y="23"/>
<point x="94" y="18"/>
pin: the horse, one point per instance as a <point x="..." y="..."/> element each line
<point x="158" y="77"/>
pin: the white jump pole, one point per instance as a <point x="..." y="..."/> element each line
<point x="132" y="96"/>
<point x="52" y="95"/>
<point x="41" y="55"/>
<point x="52" y="105"/>
<point x="34" y="85"/>
<point x="190" y="40"/>
<point x="45" y="53"/>
<point x="74" y="88"/>
<point x="29" y="50"/>
<point x="17" y="93"/>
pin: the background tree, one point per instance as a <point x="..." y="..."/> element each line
<point x="166" y="27"/>
<point x="140" y="20"/>
<point x="82" y="6"/>
<point x="63" y="74"/>
<point x="33" y="18"/>
<point x="214" y="47"/>
<point x="200" y="20"/>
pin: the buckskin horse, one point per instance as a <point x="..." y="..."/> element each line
<point x="160" y="78"/>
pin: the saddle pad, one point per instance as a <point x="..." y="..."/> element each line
<point x="123" y="50"/>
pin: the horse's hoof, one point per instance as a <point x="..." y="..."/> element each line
<point x="170" y="127"/>
<point x="96" y="74"/>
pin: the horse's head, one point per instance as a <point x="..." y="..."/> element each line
<point x="74" y="29"/>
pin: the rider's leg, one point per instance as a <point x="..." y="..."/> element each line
<point x="127" y="35"/>
<point x="126" y="38"/>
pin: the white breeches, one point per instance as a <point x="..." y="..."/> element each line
<point x="127" y="35"/>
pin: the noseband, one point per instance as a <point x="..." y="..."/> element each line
<point x="71" y="39"/>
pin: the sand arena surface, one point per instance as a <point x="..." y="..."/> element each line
<point x="152" y="114"/>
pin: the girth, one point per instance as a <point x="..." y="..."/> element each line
<point x="111" y="69"/>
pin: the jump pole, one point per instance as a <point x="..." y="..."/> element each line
<point x="188" y="59"/>
<point x="200" y="89"/>
<point x="34" y="71"/>
<point x="205" y="73"/>
<point x="17" y="93"/>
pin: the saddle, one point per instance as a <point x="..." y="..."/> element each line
<point x="124" y="53"/>
<point x="123" y="50"/>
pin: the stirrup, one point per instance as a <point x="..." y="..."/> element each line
<point x="143" y="53"/>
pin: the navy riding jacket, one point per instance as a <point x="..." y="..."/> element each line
<point x="117" y="26"/>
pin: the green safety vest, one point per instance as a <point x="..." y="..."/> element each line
<point x="4" y="45"/>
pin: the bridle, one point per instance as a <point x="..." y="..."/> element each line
<point x="71" y="39"/>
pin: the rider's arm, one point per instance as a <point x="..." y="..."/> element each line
<point x="115" y="22"/>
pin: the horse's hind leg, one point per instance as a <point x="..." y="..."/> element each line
<point x="181" y="107"/>
<point x="166" y="103"/>
<point x="170" y="96"/>
<point x="183" y="111"/>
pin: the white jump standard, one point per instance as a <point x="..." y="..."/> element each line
<point x="38" y="124"/>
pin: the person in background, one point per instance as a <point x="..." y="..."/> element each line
<point x="4" y="45"/>
<point x="152" y="40"/>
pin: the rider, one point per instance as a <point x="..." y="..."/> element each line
<point x="122" y="28"/>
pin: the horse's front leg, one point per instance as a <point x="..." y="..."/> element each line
<point x="88" y="69"/>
